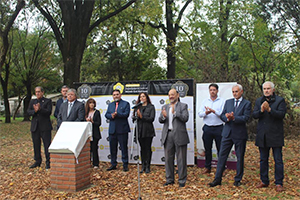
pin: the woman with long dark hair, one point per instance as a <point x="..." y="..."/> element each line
<point x="93" y="115"/>
<point x="145" y="114"/>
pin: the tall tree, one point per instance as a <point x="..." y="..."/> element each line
<point x="32" y="62"/>
<point x="7" y="18"/>
<point x="73" y="25"/>
<point x="170" y="30"/>
<point x="284" y="14"/>
<point x="123" y="49"/>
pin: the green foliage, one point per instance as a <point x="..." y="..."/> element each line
<point x="123" y="49"/>
<point x="34" y="62"/>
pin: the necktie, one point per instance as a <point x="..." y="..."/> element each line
<point x="69" y="108"/>
<point x="236" y="105"/>
<point x="117" y="104"/>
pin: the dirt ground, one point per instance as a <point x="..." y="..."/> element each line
<point x="17" y="181"/>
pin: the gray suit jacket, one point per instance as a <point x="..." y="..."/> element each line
<point x="180" y="118"/>
<point x="76" y="113"/>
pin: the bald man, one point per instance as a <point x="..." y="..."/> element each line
<point x="175" y="137"/>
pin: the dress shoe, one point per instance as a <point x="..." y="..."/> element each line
<point x="261" y="185"/>
<point x="125" y="168"/>
<point x="206" y="171"/>
<point x="147" y="171"/>
<point x="214" y="183"/>
<point x="181" y="184"/>
<point x="169" y="183"/>
<point x="111" y="168"/>
<point x="47" y="166"/>
<point x="237" y="183"/>
<point x="279" y="188"/>
<point x="34" y="165"/>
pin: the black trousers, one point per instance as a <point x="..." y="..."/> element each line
<point x="94" y="150"/>
<point x="146" y="151"/>
<point x="36" y="139"/>
<point x="211" y="133"/>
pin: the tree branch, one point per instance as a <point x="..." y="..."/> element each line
<point x="180" y="15"/>
<point x="160" y="26"/>
<point x="102" y="19"/>
<point x="52" y="23"/>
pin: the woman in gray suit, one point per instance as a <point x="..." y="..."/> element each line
<point x="145" y="114"/>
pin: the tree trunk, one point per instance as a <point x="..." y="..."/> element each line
<point x="171" y="40"/>
<point x="171" y="58"/>
<point x="6" y="103"/>
<point x="3" y="53"/>
<point x="224" y="47"/>
<point x="18" y="107"/>
<point x="26" y="102"/>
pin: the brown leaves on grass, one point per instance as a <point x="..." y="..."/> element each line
<point x="17" y="181"/>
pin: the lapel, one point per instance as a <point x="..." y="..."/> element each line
<point x="240" y="106"/>
<point x="167" y="107"/>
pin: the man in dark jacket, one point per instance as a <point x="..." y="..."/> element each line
<point x="40" y="110"/>
<point x="270" y="110"/>
<point x="117" y="113"/>
<point x="235" y="114"/>
<point x="64" y="91"/>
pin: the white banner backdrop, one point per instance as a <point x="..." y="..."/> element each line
<point x="202" y="92"/>
<point x="157" y="150"/>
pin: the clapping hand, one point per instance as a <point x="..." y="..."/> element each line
<point x="265" y="107"/>
<point x="230" y="116"/>
<point x="164" y="112"/>
<point x="36" y="107"/>
<point x="139" y="114"/>
<point x="113" y="115"/>
<point x="209" y="110"/>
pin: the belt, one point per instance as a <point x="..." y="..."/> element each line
<point x="214" y="126"/>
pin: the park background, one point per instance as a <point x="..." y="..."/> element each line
<point x="51" y="43"/>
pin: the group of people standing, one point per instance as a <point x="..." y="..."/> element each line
<point x="224" y="123"/>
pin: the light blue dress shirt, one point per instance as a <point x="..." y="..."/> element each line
<point x="212" y="119"/>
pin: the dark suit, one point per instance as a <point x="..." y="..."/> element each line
<point x="175" y="140"/>
<point x="58" y="104"/>
<point x="76" y="114"/>
<point x="118" y="130"/>
<point x="270" y="135"/>
<point x="96" y="137"/>
<point x="146" y="134"/>
<point x="234" y="133"/>
<point x="41" y="127"/>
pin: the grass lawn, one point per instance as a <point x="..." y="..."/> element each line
<point x="17" y="181"/>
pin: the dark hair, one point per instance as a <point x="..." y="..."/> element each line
<point x="213" y="85"/>
<point x="87" y="108"/>
<point x="147" y="97"/>
<point x="116" y="90"/>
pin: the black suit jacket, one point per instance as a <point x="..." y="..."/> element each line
<point x="76" y="114"/>
<point x="236" y="129"/>
<point x="96" y="125"/>
<point x="270" y="125"/>
<point x="145" y="124"/>
<point x="40" y="119"/>
<point x="58" y="104"/>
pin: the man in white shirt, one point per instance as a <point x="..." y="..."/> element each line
<point x="210" y="111"/>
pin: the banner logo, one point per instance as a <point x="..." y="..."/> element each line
<point x="119" y="86"/>
<point x="84" y="91"/>
<point x="181" y="87"/>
